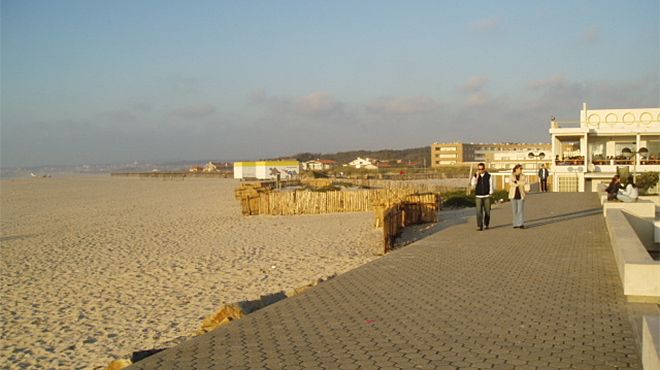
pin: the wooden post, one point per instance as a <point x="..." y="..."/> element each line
<point x="469" y="184"/>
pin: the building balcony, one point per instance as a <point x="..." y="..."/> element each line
<point x="613" y="162"/>
<point x="610" y="168"/>
<point x="570" y="162"/>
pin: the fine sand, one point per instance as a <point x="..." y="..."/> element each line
<point x="93" y="268"/>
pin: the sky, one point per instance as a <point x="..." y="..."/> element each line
<point x="92" y="82"/>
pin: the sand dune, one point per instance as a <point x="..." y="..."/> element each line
<point x="94" y="268"/>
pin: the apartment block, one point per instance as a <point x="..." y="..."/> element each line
<point x="496" y="156"/>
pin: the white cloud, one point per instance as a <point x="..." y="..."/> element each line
<point x="403" y="105"/>
<point x="487" y="24"/>
<point x="552" y="82"/>
<point x="478" y="100"/>
<point x="474" y="85"/>
<point x="194" y="111"/>
<point x="316" y="103"/>
<point x="590" y="35"/>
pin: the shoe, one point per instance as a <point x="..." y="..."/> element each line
<point x="480" y="228"/>
<point x="486" y="227"/>
<point x="522" y="226"/>
<point x="515" y="227"/>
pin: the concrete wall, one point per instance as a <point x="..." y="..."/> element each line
<point x="651" y="343"/>
<point x="641" y="208"/>
<point x="640" y="275"/>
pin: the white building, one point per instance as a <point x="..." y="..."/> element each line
<point x="363" y="163"/>
<point x="319" y="164"/>
<point x="266" y="170"/>
<point x="606" y="141"/>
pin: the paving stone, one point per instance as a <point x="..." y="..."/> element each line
<point x="547" y="296"/>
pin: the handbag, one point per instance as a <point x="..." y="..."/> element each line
<point x="527" y="187"/>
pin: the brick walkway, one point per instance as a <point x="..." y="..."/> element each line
<point x="544" y="297"/>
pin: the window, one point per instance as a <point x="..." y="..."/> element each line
<point x="447" y="155"/>
<point x="568" y="183"/>
<point x="448" y="149"/>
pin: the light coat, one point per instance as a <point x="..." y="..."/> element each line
<point x="520" y="185"/>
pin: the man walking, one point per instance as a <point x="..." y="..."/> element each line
<point x="483" y="186"/>
<point x="543" y="178"/>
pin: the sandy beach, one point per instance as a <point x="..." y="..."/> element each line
<point x="94" y="268"/>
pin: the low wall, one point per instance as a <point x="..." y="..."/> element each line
<point x="653" y="198"/>
<point x="639" y="273"/>
<point x="640" y="208"/>
<point x="651" y="343"/>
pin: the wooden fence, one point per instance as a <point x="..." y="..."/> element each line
<point x="397" y="216"/>
<point x="419" y="186"/>
<point x="395" y="208"/>
<point x="263" y="202"/>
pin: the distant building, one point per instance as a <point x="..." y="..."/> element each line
<point x="319" y="164"/>
<point x="497" y="156"/>
<point x="369" y="164"/>
<point x="216" y="166"/>
<point x="606" y="141"/>
<point x="266" y="170"/>
<point x="196" y="169"/>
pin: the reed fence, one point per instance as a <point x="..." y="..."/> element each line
<point x="395" y="218"/>
<point x="259" y="201"/>
<point x="418" y="186"/>
<point x="395" y="208"/>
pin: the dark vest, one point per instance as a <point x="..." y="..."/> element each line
<point x="483" y="184"/>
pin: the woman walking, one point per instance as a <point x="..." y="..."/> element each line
<point x="518" y="187"/>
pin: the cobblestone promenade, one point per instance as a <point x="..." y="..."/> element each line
<point x="545" y="297"/>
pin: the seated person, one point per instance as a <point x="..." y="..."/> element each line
<point x="630" y="194"/>
<point x="614" y="187"/>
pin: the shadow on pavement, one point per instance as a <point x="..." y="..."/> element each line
<point x="448" y="218"/>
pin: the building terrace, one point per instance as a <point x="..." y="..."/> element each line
<point x="604" y="142"/>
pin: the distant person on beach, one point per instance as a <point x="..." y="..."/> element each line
<point x="630" y="193"/>
<point x="518" y="187"/>
<point x="483" y="186"/>
<point x="543" y="178"/>
<point x="614" y="187"/>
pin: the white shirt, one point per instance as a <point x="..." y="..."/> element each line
<point x="630" y="192"/>
<point x="473" y="182"/>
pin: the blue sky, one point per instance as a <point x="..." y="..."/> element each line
<point x="117" y="81"/>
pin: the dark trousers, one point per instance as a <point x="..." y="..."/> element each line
<point x="544" y="185"/>
<point x="483" y="211"/>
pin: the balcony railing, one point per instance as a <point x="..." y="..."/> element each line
<point x="624" y="162"/>
<point x="613" y="162"/>
<point x="570" y="162"/>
